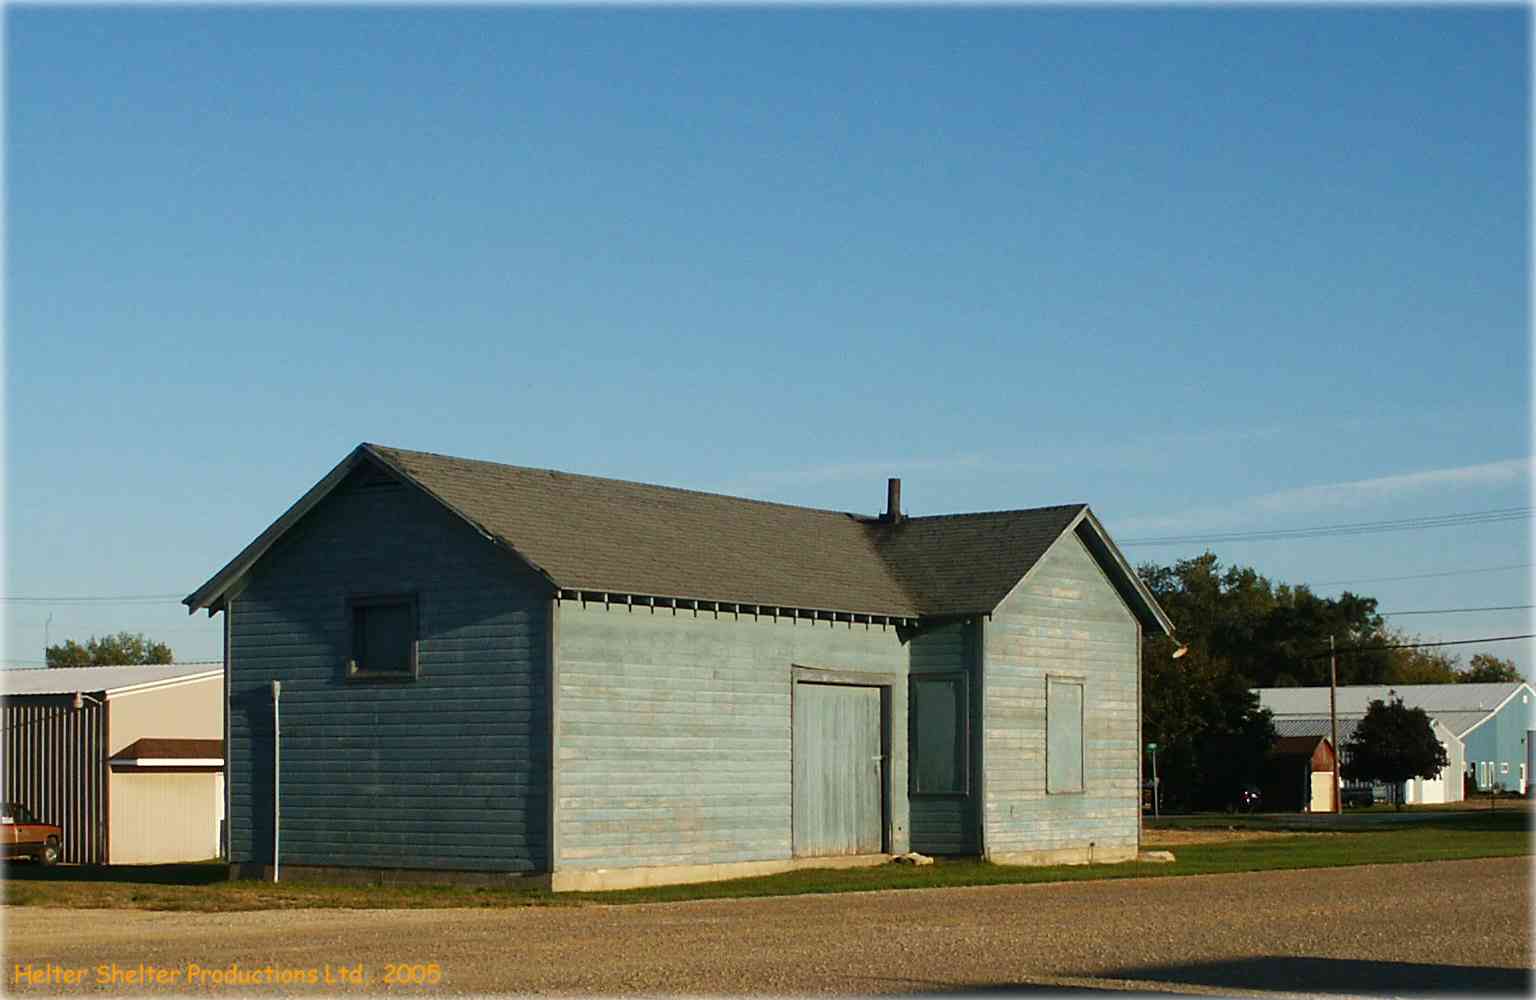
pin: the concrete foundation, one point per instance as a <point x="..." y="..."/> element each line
<point x="1066" y="856"/>
<point x="600" y="879"/>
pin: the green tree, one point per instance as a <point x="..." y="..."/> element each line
<point x="122" y="649"/>
<point x="1419" y="666"/>
<point x="1243" y="632"/>
<point x="1212" y="735"/>
<point x="1271" y="634"/>
<point x="1488" y="669"/>
<point x="1392" y="744"/>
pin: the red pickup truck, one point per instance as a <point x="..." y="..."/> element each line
<point x="22" y="836"/>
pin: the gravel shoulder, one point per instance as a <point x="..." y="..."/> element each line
<point x="1363" y="930"/>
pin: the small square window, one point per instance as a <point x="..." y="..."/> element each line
<point x="383" y="638"/>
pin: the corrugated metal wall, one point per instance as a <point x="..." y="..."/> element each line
<point x="53" y="761"/>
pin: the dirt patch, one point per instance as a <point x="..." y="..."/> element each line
<point x="1180" y="838"/>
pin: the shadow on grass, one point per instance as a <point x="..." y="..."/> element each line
<point x="189" y="873"/>
<point x="1308" y="975"/>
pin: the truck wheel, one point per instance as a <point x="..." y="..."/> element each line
<point x="49" y="855"/>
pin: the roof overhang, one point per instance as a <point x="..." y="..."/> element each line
<point x="214" y="595"/>
<point x="1495" y="710"/>
<point x="1121" y="575"/>
<point x="147" y="686"/>
<point x="154" y="754"/>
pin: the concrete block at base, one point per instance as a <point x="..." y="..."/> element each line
<point x="604" y="879"/>
<point x="1156" y="857"/>
<point x="1065" y="856"/>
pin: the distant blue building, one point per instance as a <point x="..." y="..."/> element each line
<point x="1483" y="727"/>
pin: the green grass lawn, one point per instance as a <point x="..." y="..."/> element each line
<point x="1445" y="836"/>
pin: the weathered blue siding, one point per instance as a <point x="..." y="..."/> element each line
<point x="1064" y="619"/>
<point x="948" y="823"/>
<point x="448" y="771"/>
<point x="675" y="734"/>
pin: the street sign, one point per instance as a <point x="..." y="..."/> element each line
<point x="1151" y="746"/>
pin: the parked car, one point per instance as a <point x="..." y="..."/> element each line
<point x="1247" y="800"/>
<point x="22" y="835"/>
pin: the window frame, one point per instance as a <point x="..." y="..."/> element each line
<point x="1081" y="683"/>
<point x="349" y="666"/>
<point x="963" y="736"/>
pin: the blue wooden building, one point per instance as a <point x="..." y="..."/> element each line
<point x="509" y="671"/>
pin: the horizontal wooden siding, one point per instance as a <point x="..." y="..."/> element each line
<point x="675" y="731"/>
<point x="1064" y="620"/>
<point x="447" y="771"/>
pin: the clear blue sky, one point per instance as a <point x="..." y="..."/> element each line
<point x="1208" y="269"/>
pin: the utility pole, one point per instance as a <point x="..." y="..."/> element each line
<point x="1333" y="722"/>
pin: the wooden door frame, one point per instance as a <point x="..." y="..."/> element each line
<point x="834" y="677"/>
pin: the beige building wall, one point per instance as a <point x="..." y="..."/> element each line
<point x="185" y="711"/>
<point x="1322" y="792"/>
<point x="167" y="816"/>
<point x="158" y="818"/>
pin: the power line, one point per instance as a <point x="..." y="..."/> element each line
<point x="1424" y="576"/>
<point x="1421" y="645"/>
<point x="1356" y="528"/>
<point x="157" y="629"/>
<point x="118" y="599"/>
<point x="1457" y="611"/>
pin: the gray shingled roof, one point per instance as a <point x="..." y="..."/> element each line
<point x="960" y="563"/>
<point x="590" y="533"/>
<point x="605" y="535"/>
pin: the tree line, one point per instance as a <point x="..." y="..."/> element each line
<point x="125" y="649"/>
<point x="1244" y="632"/>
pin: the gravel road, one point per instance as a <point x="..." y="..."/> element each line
<point x="1453" y="926"/>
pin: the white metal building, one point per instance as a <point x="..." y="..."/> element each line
<point x="1483" y="728"/>
<point x="128" y="760"/>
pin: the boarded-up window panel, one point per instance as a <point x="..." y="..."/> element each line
<point x="382" y="637"/>
<point x="939" y="735"/>
<point x="1063" y="735"/>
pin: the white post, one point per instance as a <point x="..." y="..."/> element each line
<point x="277" y="813"/>
<point x="1530" y="762"/>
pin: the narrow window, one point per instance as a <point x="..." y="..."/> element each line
<point x="938" y="710"/>
<point x="383" y="638"/>
<point x="1063" y="734"/>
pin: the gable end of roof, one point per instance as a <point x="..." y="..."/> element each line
<point x="213" y="594"/>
